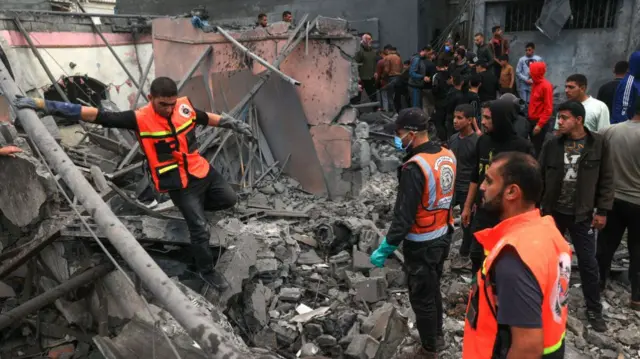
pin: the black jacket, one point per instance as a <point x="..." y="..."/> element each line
<point x="501" y="139"/>
<point x="411" y="186"/>
<point x="594" y="187"/>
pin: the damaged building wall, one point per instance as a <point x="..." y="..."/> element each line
<point x="592" y="52"/>
<point x="311" y="126"/>
<point x="70" y="47"/>
<point x="406" y="24"/>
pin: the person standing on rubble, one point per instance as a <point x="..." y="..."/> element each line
<point x="166" y="132"/>
<point x="518" y="306"/>
<point x="366" y="60"/>
<point x="463" y="145"/>
<point x="579" y="207"/>
<point x="420" y="72"/>
<point x="624" y="141"/>
<point x="497" y="120"/>
<point x="423" y="223"/>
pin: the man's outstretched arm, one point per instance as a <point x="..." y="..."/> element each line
<point x="124" y="119"/>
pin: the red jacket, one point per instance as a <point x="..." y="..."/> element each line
<point x="541" y="100"/>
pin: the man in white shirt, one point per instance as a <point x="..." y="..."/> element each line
<point x="597" y="112"/>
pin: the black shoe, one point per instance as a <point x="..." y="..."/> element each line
<point x="597" y="321"/>
<point x="440" y="343"/>
<point x="215" y="280"/>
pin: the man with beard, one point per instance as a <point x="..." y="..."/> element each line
<point x="423" y="223"/>
<point x="497" y="120"/>
<point x="527" y="270"/>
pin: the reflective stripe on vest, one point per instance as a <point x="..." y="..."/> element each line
<point x="437" y="207"/>
<point x="170" y="146"/>
<point x="544" y="251"/>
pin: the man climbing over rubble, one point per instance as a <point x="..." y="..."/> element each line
<point x="527" y="270"/>
<point x="423" y="223"/>
<point x="166" y="131"/>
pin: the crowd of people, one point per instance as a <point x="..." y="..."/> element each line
<point x="488" y="138"/>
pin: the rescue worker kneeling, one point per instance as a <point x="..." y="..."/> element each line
<point x="422" y="219"/>
<point x="518" y="306"/>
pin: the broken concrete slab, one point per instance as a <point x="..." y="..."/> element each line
<point x="26" y="188"/>
<point x="395" y="332"/>
<point x="309" y="258"/>
<point x="286" y="334"/>
<point x="371" y="290"/>
<point x="290" y="294"/>
<point x="255" y="306"/>
<point x="362" y="346"/>
<point x="375" y="325"/>
<point x="234" y="264"/>
<point x="361" y="261"/>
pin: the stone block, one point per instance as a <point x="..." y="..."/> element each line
<point x="362" y="130"/>
<point x="395" y="331"/>
<point x="255" y="306"/>
<point x="309" y="258"/>
<point x="332" y="26"/>
<point x="361" y="261"/>
<point x="290" y="294"/>
<point x="360" y="154"/>
<point x="313" y="330"/>
<point x="285" y="334"/>
<point x="326" y="341"/>
<point x="371" y="290"/>
<point x="234" y="264"/>
<point x="362" y="346"/>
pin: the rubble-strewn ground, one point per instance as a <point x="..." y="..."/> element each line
<point x="315" y="292"/>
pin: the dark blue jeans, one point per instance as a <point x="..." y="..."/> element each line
<point x="465" y="247"/>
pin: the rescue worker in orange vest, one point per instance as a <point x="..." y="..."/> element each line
<point x="422" y="220"/>
<point x="166" y="131"/>
<point x="518" y="305"/>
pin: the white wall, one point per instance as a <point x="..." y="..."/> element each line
<point x="96" y="62"/>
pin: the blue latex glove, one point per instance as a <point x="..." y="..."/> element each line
<point x="380" y="255"/>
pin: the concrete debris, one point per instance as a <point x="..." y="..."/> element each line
<point x="363" y="346"/>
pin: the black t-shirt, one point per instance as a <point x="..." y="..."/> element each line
<point x="474" y="100"/>
<point x="489" y="88"/>
<point x="464" y="148"/>
<point x="607" y="92"/>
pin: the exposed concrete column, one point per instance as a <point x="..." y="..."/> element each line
<point x="479" y="17"/>
<point x="209" y="335"/>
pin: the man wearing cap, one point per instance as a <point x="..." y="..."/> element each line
<point x="422" y="221"/>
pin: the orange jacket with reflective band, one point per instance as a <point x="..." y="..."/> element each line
<point x="434" y="213"/>
<point x="170" y="146"/>
<point x="546" y="253"/>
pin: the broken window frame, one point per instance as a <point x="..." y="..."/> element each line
<point x="585" y="14"/>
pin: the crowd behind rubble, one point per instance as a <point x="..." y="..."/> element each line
<point x="586" y="147"/>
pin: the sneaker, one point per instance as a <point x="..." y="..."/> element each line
<point x="418" y="353"/>
<point x="597" y="321"/>
<point x="440" y="343"/>
<point x="461" y="263"/>
<point x="635" y="305"/>
<point x="215" y="280"/>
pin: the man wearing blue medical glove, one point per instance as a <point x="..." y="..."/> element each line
<point x="422" y="219"/>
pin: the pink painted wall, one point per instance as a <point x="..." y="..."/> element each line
<point x="69" y="39"/>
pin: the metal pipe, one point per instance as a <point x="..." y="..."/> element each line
<point x="209" y="335"/>
<point x="50" y="296"/>
<point x="366" y="105"/>
<point x="143" y="79"/>
<point x="81" y="14"/>
<point x="262" y="61"/>
<point x="104" y="39"/>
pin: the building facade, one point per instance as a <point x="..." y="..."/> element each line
<point x="598" y="34"/>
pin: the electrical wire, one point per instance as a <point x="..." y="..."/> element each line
<point x="106" y="252"/>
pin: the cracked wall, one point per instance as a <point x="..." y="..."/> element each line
<point x="310" y="125"/>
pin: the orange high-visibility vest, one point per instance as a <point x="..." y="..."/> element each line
<point x="170" y="146"/>
<point x="546" y="253"/>
<point x="434" y="213"/>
